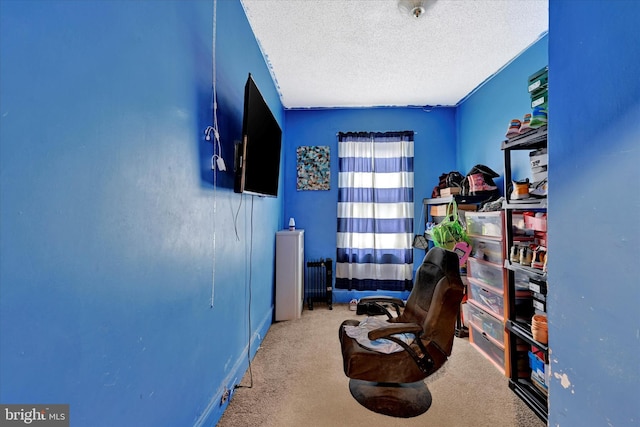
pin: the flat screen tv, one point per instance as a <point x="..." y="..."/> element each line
<point x="257" y="163"/>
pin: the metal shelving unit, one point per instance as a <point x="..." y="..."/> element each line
<point x="458" y="198"/>
<point x="517" y="329"/>
<point x="461" y="331"/>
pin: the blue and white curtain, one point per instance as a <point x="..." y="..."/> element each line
<point x="375" y="211"/>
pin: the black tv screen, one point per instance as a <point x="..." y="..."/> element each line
<point x="258" y="156"/>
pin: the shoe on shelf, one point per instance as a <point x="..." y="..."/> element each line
<point x="514" y="128"/>
<point x="478" y="183"/>
<point x="520" y="190"/>
<point x="538" y="117"/>
<point x="539" y="255"/>
<point x="526" y="124"/>
<point x="539" y="189"/>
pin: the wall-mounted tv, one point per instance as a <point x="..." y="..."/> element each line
<point x="257" y="162"/>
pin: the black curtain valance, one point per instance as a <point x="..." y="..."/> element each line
<point x="398" y="134"/>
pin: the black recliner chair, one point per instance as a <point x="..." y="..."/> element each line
<point x="393" y="384"/>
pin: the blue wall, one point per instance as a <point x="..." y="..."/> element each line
<point x="315" y="211"/>
<point x="484" y="116"/>
<point x="594" y="153"/>
<point x="107" y="204"/>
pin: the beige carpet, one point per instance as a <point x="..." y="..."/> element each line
<point x="298" y="381"/>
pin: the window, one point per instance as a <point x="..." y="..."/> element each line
<point x="375" y="211"/>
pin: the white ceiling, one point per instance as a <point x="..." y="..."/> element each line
<point x="364" y="53"/>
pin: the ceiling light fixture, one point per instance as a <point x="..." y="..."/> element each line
<point x="416" y="8"/>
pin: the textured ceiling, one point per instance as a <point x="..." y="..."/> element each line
<point x="363" y="53"/>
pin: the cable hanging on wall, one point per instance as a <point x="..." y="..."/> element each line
<point x="217" y="162"/>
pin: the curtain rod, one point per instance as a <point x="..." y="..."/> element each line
<point x="401" y="131"/>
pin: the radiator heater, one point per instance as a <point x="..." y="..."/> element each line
<point x="318" y="282"/>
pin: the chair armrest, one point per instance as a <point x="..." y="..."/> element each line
<point x="395" y="328"/>
<point x="423" y="358"/>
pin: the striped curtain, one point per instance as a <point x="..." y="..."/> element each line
<point x="375" y="211"/>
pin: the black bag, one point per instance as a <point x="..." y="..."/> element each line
<point x="370" y="309"/>
<point x="420" y="242"/>
<point x="454" y="179"/>
<point x="448" y="180"/>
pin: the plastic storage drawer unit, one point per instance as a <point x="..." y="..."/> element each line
<point x="490" y="299"/>
<point x="489" y="273"/>
<point x="486" y="322"/>
<point x="492" y="350"/>
<point x="484" y="223"/>
<point x="487" y="250"/>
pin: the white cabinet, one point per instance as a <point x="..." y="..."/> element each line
<point x="289" y="274"/>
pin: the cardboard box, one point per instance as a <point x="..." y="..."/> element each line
<point x="450" y="191"/>
<point x="438" y="210"/>
<point x="538" y="368"/>
<point x="441" y="210"/>
<point x="467" y="207"/>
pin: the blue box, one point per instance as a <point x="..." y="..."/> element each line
<point x="537" y="370"/>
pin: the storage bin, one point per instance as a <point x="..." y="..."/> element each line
<point x="539" y="303"/>
<point x="487" y="250"/>
<point x="487" y="297"/>
<point x="537" y="286"/>
<point x="491" y="349"/>
<point x="522" y="280"/>
<point x="484" y="223"/>
<point x="484" y="321"/>
<point x="518" y="227"/>
<point x="540" y="328"/>
<point x="540" y="99"/>
<point x="535" y="223"/>
<point x="538" y="80"/>
<point x="491" y="274"/>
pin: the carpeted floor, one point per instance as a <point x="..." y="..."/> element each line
<point x="298" y="381"/>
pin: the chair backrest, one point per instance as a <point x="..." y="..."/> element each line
<point x="434" y="301"/>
